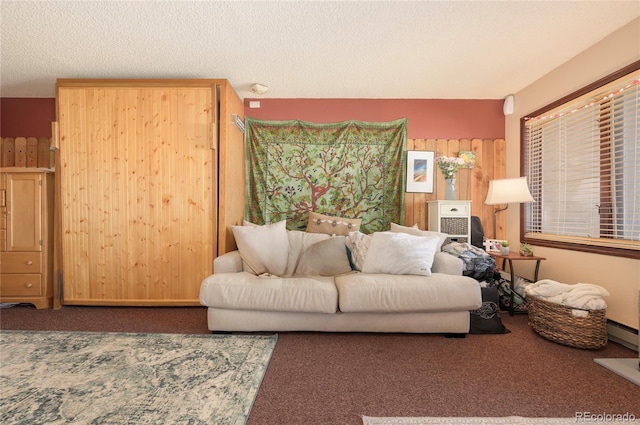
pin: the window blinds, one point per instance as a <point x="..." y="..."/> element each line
<point x="582" y="160"/>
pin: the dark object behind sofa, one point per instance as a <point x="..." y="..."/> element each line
<point x="486" y="319"/>
<point x="477" y="232"/>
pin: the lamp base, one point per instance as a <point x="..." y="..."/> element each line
<point x="495" y="221"/>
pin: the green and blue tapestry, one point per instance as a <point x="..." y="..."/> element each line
<point x="350" y="169"/>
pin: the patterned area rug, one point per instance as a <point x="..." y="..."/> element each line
<point x="118" y="378"/>
<point x="511" y="420"/>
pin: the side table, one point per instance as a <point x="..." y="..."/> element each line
<point x="511" y="257"/>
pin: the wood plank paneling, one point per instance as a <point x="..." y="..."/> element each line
<point x="231" y="172"/>
<point x="8" y="152"/>
<point x="21" y="152"/>
<point x="471" y="184"/>
<point x="137" y="182"/>
<point x="32" y="152"/>
<point x="26" y="152"/>
<point x="45" y="156"/>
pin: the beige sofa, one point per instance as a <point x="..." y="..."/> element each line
<point x="316" y="291"/>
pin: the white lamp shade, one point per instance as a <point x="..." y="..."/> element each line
<point x="507" y="191"/>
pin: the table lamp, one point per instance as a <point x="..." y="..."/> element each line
<point x="507" y="191"/>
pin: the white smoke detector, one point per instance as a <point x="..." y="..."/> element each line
<point x="258" y="88"/>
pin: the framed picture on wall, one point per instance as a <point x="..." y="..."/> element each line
<point x="420" y="171"/>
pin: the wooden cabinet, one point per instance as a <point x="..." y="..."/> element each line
<point x="151" y="179"/>
<point x="452" y="218"/>
<point x="26" y="236"/>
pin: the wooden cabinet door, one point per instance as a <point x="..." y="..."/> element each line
<point x="138" y="193"/>
<point x="23" y="212"/>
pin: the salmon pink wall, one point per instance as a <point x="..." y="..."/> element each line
<point x="26" y="117"/>
<point x="428" y="118"/>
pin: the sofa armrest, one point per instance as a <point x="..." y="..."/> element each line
<point x="447" y="264"/>
<point x="231" y="262"/>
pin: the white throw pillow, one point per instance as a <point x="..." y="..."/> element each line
<point x="400" y="253"/>
<point x="417" y="232"/>
<point x="264" y="249"/>
<point x="358" y="244"/>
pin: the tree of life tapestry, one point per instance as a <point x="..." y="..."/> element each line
<point x="350" y="169"/>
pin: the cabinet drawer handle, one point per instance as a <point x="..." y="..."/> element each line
<point x="454" y="210"/>
<point x="29" y="285"/>
<point x="29" y="263"/>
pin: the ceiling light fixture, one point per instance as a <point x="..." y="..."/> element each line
<point x="258" y="88"/>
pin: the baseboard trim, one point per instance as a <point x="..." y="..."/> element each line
<point x="623" y="334"/>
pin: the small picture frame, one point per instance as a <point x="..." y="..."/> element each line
<point x="493" y="245"/>
<point x="420" y="171"/>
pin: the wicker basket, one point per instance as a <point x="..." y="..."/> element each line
<point x="555" y="322"/>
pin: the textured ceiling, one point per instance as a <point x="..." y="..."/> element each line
<point x="304" y="49"/>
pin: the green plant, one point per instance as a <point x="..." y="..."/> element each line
<point x="526" y="249"/>
<point x="504" y="243"/>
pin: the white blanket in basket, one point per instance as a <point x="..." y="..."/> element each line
<point x="585" y="296"/>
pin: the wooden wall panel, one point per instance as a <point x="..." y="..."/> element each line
<point x="26" y="152"/>
<point x="8" y="152"/>
<point x="232" y="170"/>
<point x="471" y="184"/>
<point x="21" y="152"/>
<point x="137" y="201"/>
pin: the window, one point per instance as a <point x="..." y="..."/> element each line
<point x="581" y="156"/>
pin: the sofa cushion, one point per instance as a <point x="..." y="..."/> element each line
<point x="385" y="293"/>
<point x="400" y="253"/>
<point x="325" y="258"/>
<point x="246" y="291"/>
<point x="442" y="237"/>
<point x="264" y="249"/>
<point x="320" y="223"/>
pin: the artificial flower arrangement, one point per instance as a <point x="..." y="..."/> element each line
<point x="449" y="165"/>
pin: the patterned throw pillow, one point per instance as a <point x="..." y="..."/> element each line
<point x="319" y="223"/>
<point x="358" y="245"/>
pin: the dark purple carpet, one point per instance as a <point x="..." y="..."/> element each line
<point x="319" y="378"/>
